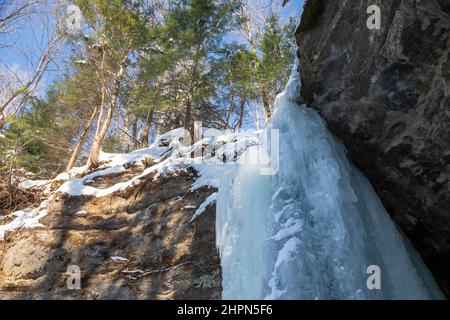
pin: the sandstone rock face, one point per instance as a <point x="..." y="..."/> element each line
<point x="134" y="244"/>
<point x="386" y="94"/>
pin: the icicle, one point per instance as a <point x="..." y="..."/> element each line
<point x="312" y="230"/>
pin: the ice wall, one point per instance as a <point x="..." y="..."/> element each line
<point x="311" y="230"/>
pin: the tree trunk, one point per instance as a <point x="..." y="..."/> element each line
<point x="81" y="140"/>
<point x="230" y="112"/>
<point x="134" y="133"/>
<point x="94" y="153"/>
<point x="53" y="47"/>
<point x="241" y="114"/>
<point x="188" y="125"/>
<point x="103" y="96"/>
<point x="266" y="105"/>
<point x="146" y="132"/>
<point x="188" y="115"/>
<point x="124" y="137"/>
<point x="248" y="28"/>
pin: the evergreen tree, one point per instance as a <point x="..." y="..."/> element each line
<point x="118" y="29"/>
<point x="192" y="37"/>
<point x="139" y="68"/>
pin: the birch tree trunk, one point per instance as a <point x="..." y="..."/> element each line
<point x="134" y="140"/>
<point x="94" y="153"/>
<point x="266" y="105"/>
<point x="251" y="40"/>
<point x="146" y="132"/>
<point x="188" y="115"/>
<point x="241" y="114"/>
<point x="230" y="111"/>
<point x="81" y="140"/>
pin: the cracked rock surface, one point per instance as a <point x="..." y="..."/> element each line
<point x="386" y="94"/>
<point x="134" y="244"/>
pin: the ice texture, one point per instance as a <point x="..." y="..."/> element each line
<point x="311" y="230"/>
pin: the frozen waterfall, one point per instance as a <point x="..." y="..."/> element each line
<point x="312" y="230"/>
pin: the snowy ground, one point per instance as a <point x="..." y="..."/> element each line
<point x="169" y="154"/>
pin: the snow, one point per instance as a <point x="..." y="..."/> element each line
<point x="233" y="149"/>
<point x="26" y="218"/>
<point x="286" y="254"/>
<point x="168" y="137"/>
<point x="76" y="171"/>
<point x="75" y="183"/>
<point x="169" y="155"/>
<point x="290" y="228"/>
<point x="133" y="271"/>
<point x="121" y="159"/>
<point x="119" y="259"/>
<point x="146" y="273"/>
<point x="116" y="163"/>
<point x="209" y="176"/>
<point x="311" y="230"/>
<point x="139" y="273"/>
<point x="115" y="160"/>
<point x="170" y="152"/>
<point x="209" y="200"/>
<point x="76" y="186"/>
<point x="27" y="184"/>
<point x="173" y="157"/>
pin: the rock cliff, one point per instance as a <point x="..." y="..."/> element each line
<point x="386" y="94"/>
<point x="135" y="243"/>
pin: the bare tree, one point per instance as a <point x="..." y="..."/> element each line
<point x="253" y="15"/>
<point x="81" y="140"/>
<point x="44" y="42"/>
<point x="12" y="11"/>
<point x="143" y="143"/>
<point x="104" y="122"/>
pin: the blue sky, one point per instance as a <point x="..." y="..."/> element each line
<point x="30" y="36"/>
<point x="293" y="6"/>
